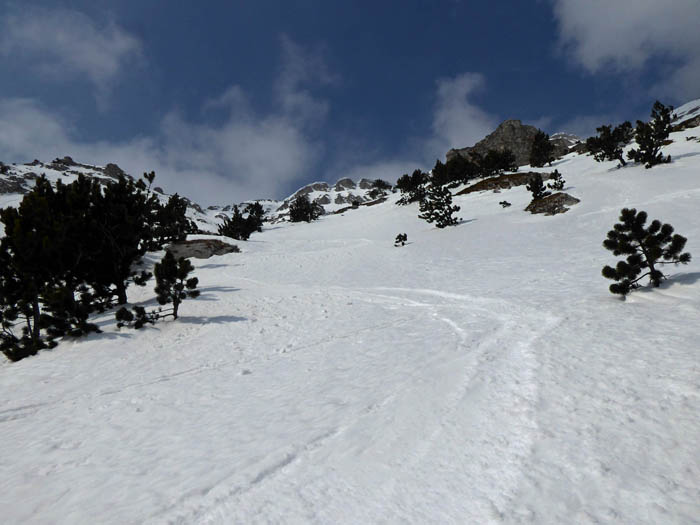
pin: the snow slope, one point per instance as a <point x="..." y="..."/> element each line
<point x="480" y="374"/>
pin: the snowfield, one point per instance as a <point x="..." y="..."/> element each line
<point x="480" y="374"/>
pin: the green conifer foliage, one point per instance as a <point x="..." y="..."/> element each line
<point x="172" y="282"/>
<point x="536" y="187"/>
<point x="302" y="209"/>
<point x="170" y="222"/>
<point x="437" y="207"/>
<point x="609" y="143"/>
<point x="412" y="187"/>
<point x="650" y="136"/>
<point x="645" y="248"/>
<point x="542" y="149"/>
<point x="556" y="181"/>
<point x="495" y="162"/>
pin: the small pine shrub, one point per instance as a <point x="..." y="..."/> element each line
<point x="536" y="187"/>
<point x="645" y="248"/>
<point x="401" y="239"/>
<point x="412" y="187"/>
<point x="239" y="227"/>
<point x="556" y="181"/>
<point x="137" y="318"/>
<point x="437" y="207"/>
<point x="172" y="282"/>
<point x="541" y="151"/>
<point x="650" y="137"/>
<point x="609" y="143"/>
<point x="504" y="204"/>
<point x="495" y="162"/>
<point x="302" y="209"/>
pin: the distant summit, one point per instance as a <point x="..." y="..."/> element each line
<point x="517" y="137"/>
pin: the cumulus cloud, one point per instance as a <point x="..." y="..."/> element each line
<point x="388" y="170"/>
<point x="237" y="160"/>
<point x="60" y="43"/>
<point x="245" y="154"/>
<point x="458" y="122"/>
<point x="625" y="34"/>
<point x="301" y="70"/>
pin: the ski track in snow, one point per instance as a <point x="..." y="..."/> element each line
<point x="491" y="356"/>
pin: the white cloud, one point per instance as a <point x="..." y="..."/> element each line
<point x="61" y="43"/>
<point x="245" y="155"/>
<point x="301" y="69"/>
<point x="457" y="122"/>
<point x="625" y="34"/>
<point x="388" y="170"/>
<point x="585" y="126"/>
<point x="237" y="160"/>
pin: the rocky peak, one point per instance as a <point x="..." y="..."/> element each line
<point x="517" y="137"/>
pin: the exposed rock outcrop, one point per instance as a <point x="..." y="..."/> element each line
<point x="517" y="137"/>
<point x="503" y="182"/>
<point x="344" y="184"/>
<point x="201" y="248"/>
<point x="552" y="204"/>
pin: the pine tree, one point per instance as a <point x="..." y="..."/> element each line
<point x="381" y="184"/>
<point x="645" y="248"/>
<point x="123" y="223"/>
<point x="234" y="226"/>
<point x="650" y="136"/>
<point x="400" y="240"/>
<point x="172" y="282"/>
<point x="609" y="143"/>
<point x="437" y="207"/>
<point x="170" y="222"/>
<point x="302" y="209"/>
<point x="439" y="175"/>
<point x="495" y="162"/>
<point x="557" y="181"/>
<point x="412" y="187"/>
<point x="536" y="187"/>
<point x="461" y="170"/>
<point x="542" y="149"/>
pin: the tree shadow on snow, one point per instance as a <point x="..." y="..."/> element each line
<point x="212" y="266"/>
<point x="217" y="319"/>
<point x="684" y="155"/>
<point x="678" y="278"/>
<point x="204" y="296"/>
<point x="681" y="278"/>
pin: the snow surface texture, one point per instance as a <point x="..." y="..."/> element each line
<point x="480" y="374"/>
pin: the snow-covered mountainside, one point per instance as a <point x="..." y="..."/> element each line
<point x="18" y="179"/>
<point x="480" y="374"/>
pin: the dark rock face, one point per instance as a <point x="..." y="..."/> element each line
<point x="564" y="143"/>
<point x="344" y="184"/>
<point x="687" y="124"/>
<point x="503" y="182"/>
<point x="65" y="161"/>
<point x="552" y="204"/>
<point x="201" y="248"/>
<point x="517" y="137"/>
<point x="510" y="134"/>
<point x="114" y="171"/>
<point x="326" y="199"/>
<point x="366" y="184"/>
<point x="13" y="184"/>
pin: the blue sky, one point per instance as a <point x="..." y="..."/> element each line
<point x="233" y="100"/>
